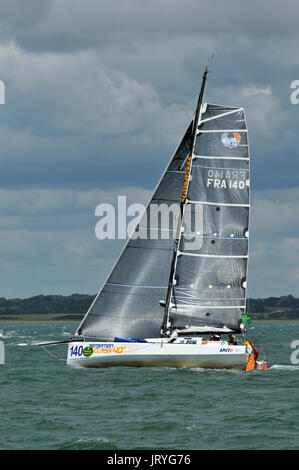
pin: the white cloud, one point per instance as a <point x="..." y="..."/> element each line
<point x="84" y="95"/>
<point x="252" y="90"/>
<point x="45" y="202"/>
<point x="263" y="109"/>
<point x="274" y="243"/>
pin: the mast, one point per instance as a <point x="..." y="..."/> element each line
<point x="183" y="205"/>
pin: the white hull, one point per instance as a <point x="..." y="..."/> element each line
<point x="158" y="353"/>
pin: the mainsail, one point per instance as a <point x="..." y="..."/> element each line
<point x="206" y="285"/>
<point x="210" y="288"/>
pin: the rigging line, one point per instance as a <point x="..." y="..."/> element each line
<point x="51" y="354"/>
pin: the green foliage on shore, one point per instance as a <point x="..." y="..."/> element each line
<point x="73" y="307"/>
<point x="274" y="308"/>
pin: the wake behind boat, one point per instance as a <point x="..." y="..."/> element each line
<point x="165" y="296"/>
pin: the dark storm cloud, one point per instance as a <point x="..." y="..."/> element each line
<point x="18" y="17"/>
<point x="64" y="24"/>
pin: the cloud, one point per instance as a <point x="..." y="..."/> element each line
<point x="274" y="212"/>
<point x="70" y="120"/>
<point x="64" y="25"/>
<point x="98" y="97"/>
<point x="274" y="242"/>
<point x="48" y="238"/>
<point x="79" y="92"/>
<point x="42" y="202"/>
<point x="262" y="108"/>
<point x="53" y="231"/>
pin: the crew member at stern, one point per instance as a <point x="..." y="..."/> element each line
<point x="232" y="339"/>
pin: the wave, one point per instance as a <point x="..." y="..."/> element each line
<point x="284" y="367"/>
<point x="9" y="334"/>
<point x="99" y="443"/>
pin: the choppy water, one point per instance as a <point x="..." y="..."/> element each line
<point x="47" y="405"/>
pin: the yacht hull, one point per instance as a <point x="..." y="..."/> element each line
<point x="159" y="353"/>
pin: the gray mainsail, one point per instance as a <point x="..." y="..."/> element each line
<point x="210" y="277"/>
<point x="207" y="285"/>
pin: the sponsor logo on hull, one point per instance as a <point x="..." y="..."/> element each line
<point x="103" y="348"/>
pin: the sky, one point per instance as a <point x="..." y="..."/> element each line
<point x="98" y="95"/>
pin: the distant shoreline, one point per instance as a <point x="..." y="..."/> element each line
<point x="73" y="307"/>
<point x="47" y="317"/>
<point x="65" y="318"/>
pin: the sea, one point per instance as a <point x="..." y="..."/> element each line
<point x="47" y="405"/>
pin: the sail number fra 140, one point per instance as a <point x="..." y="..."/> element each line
<point x="227" y="179"/>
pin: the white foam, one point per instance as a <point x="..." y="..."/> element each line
<point x="284" y="367"/>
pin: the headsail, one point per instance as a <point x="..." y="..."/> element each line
<point x="206" y="285"/>
<point x="128" y="303"/>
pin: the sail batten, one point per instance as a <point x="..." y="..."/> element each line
<point x="206" y="255"/>
<point x="221" y="157"/>
<point x="201" y="131"/>
<point x="218" y="203"/>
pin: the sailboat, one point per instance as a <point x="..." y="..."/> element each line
<point x="169" y="302"/>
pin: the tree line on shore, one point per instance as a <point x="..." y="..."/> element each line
<point x="280" y="308"/>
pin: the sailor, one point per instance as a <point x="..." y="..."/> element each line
<point x="232" y="339"/>
<point x="214" y="337"/>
